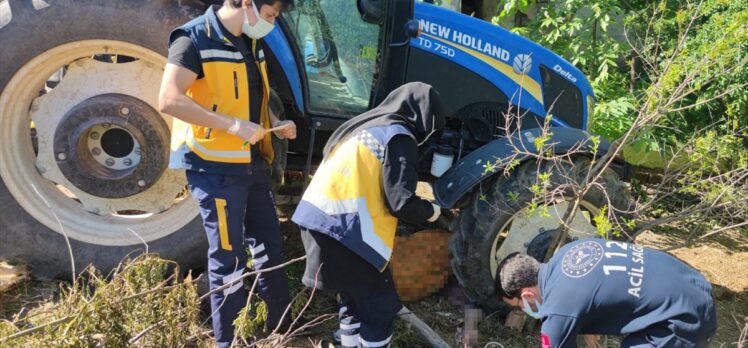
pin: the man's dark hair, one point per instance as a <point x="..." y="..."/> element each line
<point x="516" y="271"/>
<point x="286" y="5"/>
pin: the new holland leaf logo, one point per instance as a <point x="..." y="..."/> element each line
<point x="522" y="64"/>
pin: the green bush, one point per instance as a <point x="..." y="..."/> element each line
<point x="619" y="67"/>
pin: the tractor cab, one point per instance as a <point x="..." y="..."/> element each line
<point x="338" y="52"/>
<point x="340" y="59"/>
<point x="337" y="60"/>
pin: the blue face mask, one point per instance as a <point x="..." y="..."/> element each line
<point x="528" y="310"/>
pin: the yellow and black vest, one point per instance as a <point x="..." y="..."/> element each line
<point x="223" y="89"/>
<point x="345" y="200"/>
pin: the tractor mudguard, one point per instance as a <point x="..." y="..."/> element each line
<point x="472" y="169"/>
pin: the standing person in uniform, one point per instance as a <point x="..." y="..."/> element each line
<point x="601" y="287"/>
<point x="215" y="85"/>
<point x="349" y="212"/>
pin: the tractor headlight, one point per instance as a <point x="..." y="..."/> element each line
<point x="590" y="110"/>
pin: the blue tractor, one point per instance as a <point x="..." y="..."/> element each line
<point x="84" y="151"/>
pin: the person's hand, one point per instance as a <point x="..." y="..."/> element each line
<point x="439" y="220"/>
<point x="287" y="132"/>
<point x="249" y="131"/>
<point x="442" y="223"/>
<point x="437" y="212"/>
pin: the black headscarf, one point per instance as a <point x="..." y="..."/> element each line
<point x="415" y="105"/>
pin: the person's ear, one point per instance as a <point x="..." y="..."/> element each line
<point x="251" y="16"/>
<point x="527" y="294"/>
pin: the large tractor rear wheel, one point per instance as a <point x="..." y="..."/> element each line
<point x="84" y="159"/>
<point x="498" y="222"/>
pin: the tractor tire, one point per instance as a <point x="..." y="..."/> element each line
<point x="42" y="212"/>
<point x="498" y="212"/>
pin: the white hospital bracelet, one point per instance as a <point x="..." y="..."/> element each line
<point x="437" y="212"/>
<point x="234" y="127"/>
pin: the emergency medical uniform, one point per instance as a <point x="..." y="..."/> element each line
<point x="349" y="212"/>
<point x="226" y="175"/>
<point x="600" y="287"/>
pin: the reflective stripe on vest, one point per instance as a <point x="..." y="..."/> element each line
<point x="345" y="198"/>
<point x="213" y="54"/>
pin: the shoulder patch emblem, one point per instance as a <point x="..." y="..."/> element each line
<point x="581" y="259"/>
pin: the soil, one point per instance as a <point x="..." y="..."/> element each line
<point x="723" y="259"/>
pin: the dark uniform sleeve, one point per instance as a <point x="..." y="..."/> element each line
<point x="183" y="53"/>
<point x="400" y="177"/>
<point x="558" y="331"/>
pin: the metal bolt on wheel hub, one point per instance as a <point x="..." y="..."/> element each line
<point x="104" y="156"/>
<point x="102" y="142"/>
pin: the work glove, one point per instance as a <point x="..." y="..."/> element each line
<point x="287" y="132"/>
<point x="437" y="212"/>
<point x="442" y="223"/>
<point x="249" y="131"/>
<point x="439" y="220"/>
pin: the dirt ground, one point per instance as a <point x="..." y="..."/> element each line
<point x="723" y="259"/>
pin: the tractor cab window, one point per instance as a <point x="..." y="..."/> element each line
<point x="339" y="54"/>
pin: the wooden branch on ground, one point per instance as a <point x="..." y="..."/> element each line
<point x="690" y="240"/>
<point x="145" y="331"/>
<point x="426" y="331"/>
<point x="36" y="328"/>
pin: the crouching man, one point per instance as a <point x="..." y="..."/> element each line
<point x="594" y="286"/>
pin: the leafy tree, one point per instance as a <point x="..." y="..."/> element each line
<point x="671" y="93"/>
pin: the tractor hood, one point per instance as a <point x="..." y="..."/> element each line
<point x="530" y="75"/>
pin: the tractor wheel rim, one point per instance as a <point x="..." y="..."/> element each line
<point x="156" y="210"/>
<point x="525" y="226"/>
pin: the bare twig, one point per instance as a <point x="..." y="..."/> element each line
<point x="246" y="305"/>
<point x="220" y="305"/>
<point x="248" y="274"/>
<point x="690" y="240"/>
<point x="36" y="328"/>
<point x="426" y="331"/>
<point x="145" y="331"/>
<point x="308" y="301"/>
<point x="141" y="294"/>
<point x="744" y="223"/>
<point x="288" y="335"/>
<point x="62" y="230"/>
<point x="141" y="239"/>
<point x="743" y="339"/>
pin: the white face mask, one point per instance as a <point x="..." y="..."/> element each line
<point x="260" y="29"/>
<point x="528" y="310"/>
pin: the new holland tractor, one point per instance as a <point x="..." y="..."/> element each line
<point x="84" y="151"/>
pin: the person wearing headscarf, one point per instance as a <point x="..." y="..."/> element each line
<point x="349" y="213"/>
